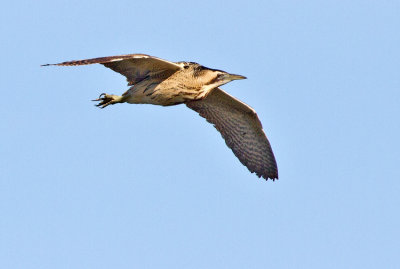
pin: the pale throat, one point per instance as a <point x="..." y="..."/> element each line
<point x="206" y="89"/>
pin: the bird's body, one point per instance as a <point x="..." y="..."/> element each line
<point x="160" y="82"/>
<point x="180" y="87"/>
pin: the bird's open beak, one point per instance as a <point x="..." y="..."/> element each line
<point x="235" y="77"/>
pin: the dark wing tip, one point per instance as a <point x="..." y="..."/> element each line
<point x="273" y="176"/>
<point x="269" y="170"/>
<point x="61" y="64"/>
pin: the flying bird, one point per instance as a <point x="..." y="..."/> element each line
<point x="160" y="82"/>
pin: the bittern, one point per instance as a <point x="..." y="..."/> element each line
<point x="160" y="82"/>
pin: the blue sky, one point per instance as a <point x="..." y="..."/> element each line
<point x="140" y="186"/>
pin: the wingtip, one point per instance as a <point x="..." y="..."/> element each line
<point x="273" y="177"/>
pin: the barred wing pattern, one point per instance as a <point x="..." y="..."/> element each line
<point x="135" y="67"/>
<point x="242" y="130"/>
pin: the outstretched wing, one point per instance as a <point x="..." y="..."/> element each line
<point x="135" y="67"/>
<point x="242" y="130"/>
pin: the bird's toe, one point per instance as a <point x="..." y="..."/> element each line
<point x="107" y="99"/>
<point x="104" y="100"/>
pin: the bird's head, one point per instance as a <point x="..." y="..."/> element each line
<point x="210" y="77"/>
<point x="221" y="77"/>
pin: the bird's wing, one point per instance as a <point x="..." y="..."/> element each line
<point x="242" y="130"/>
<point x="135" y="67"/>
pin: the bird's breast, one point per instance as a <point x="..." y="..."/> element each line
<point x="165" y="93"/>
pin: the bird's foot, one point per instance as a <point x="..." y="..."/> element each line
<point x="107" y="99"/>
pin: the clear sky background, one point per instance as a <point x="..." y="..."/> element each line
<point x="141" y="186"/>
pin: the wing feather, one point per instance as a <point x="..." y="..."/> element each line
<point x="242" y="130"/>
<point x="135" y="67"/>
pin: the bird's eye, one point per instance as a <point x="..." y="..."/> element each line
<point x="186" y="66"/>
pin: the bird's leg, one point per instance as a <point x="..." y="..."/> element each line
<point x="108" y="99"/>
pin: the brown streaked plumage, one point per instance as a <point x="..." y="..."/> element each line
<point x="160" y="82"/>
